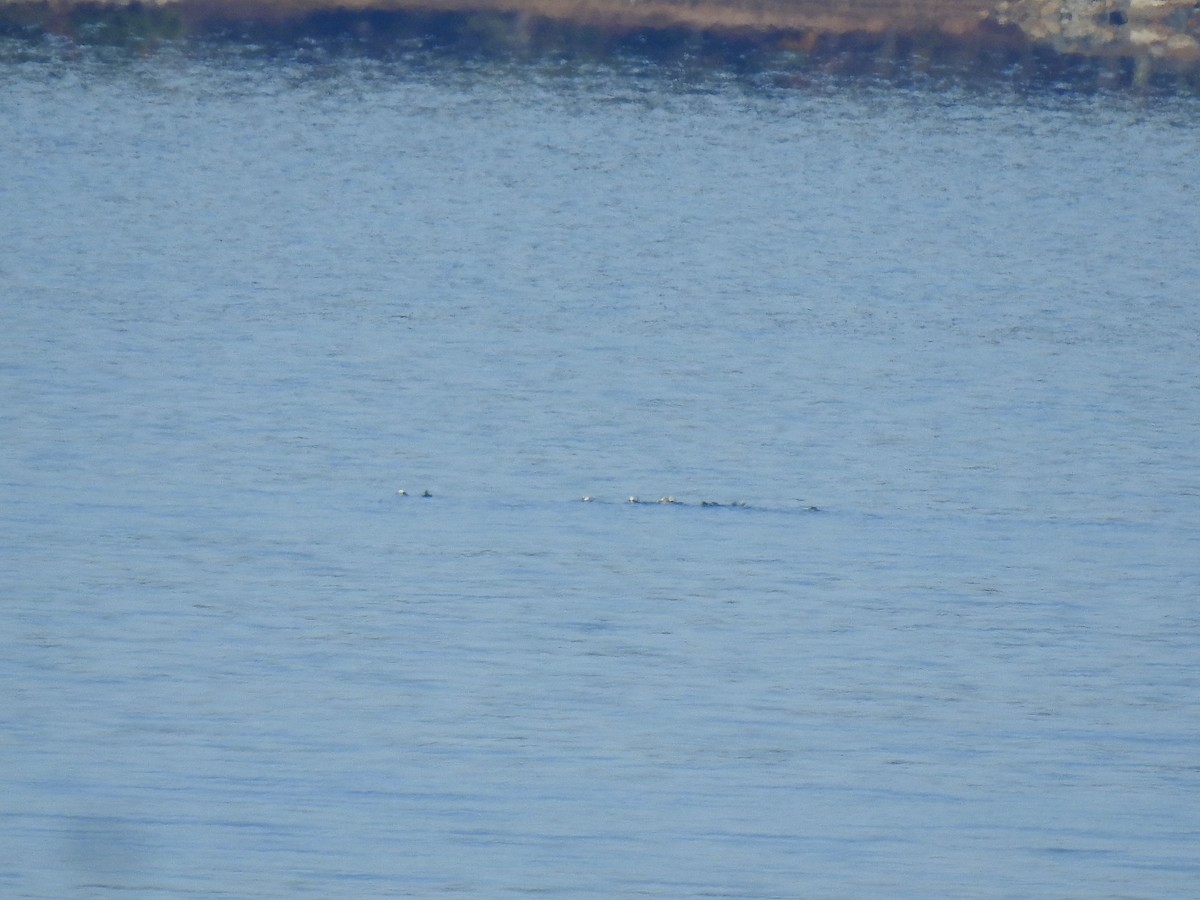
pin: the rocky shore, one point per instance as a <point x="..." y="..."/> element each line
<point x="1140" y="39"/>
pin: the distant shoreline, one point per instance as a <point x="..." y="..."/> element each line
<point x="1146" y="38"/>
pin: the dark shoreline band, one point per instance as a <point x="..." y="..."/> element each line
<point x="1135" y="39"/>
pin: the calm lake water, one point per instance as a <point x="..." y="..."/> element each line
<point x="941" y="342"/>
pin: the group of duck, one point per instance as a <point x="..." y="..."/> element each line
<point x="673" y="501"/>
<point x="668" y="500"/>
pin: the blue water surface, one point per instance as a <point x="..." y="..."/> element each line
<point x="932" y="350"/>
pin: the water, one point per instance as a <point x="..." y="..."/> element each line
<point x="246" y="299"/>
